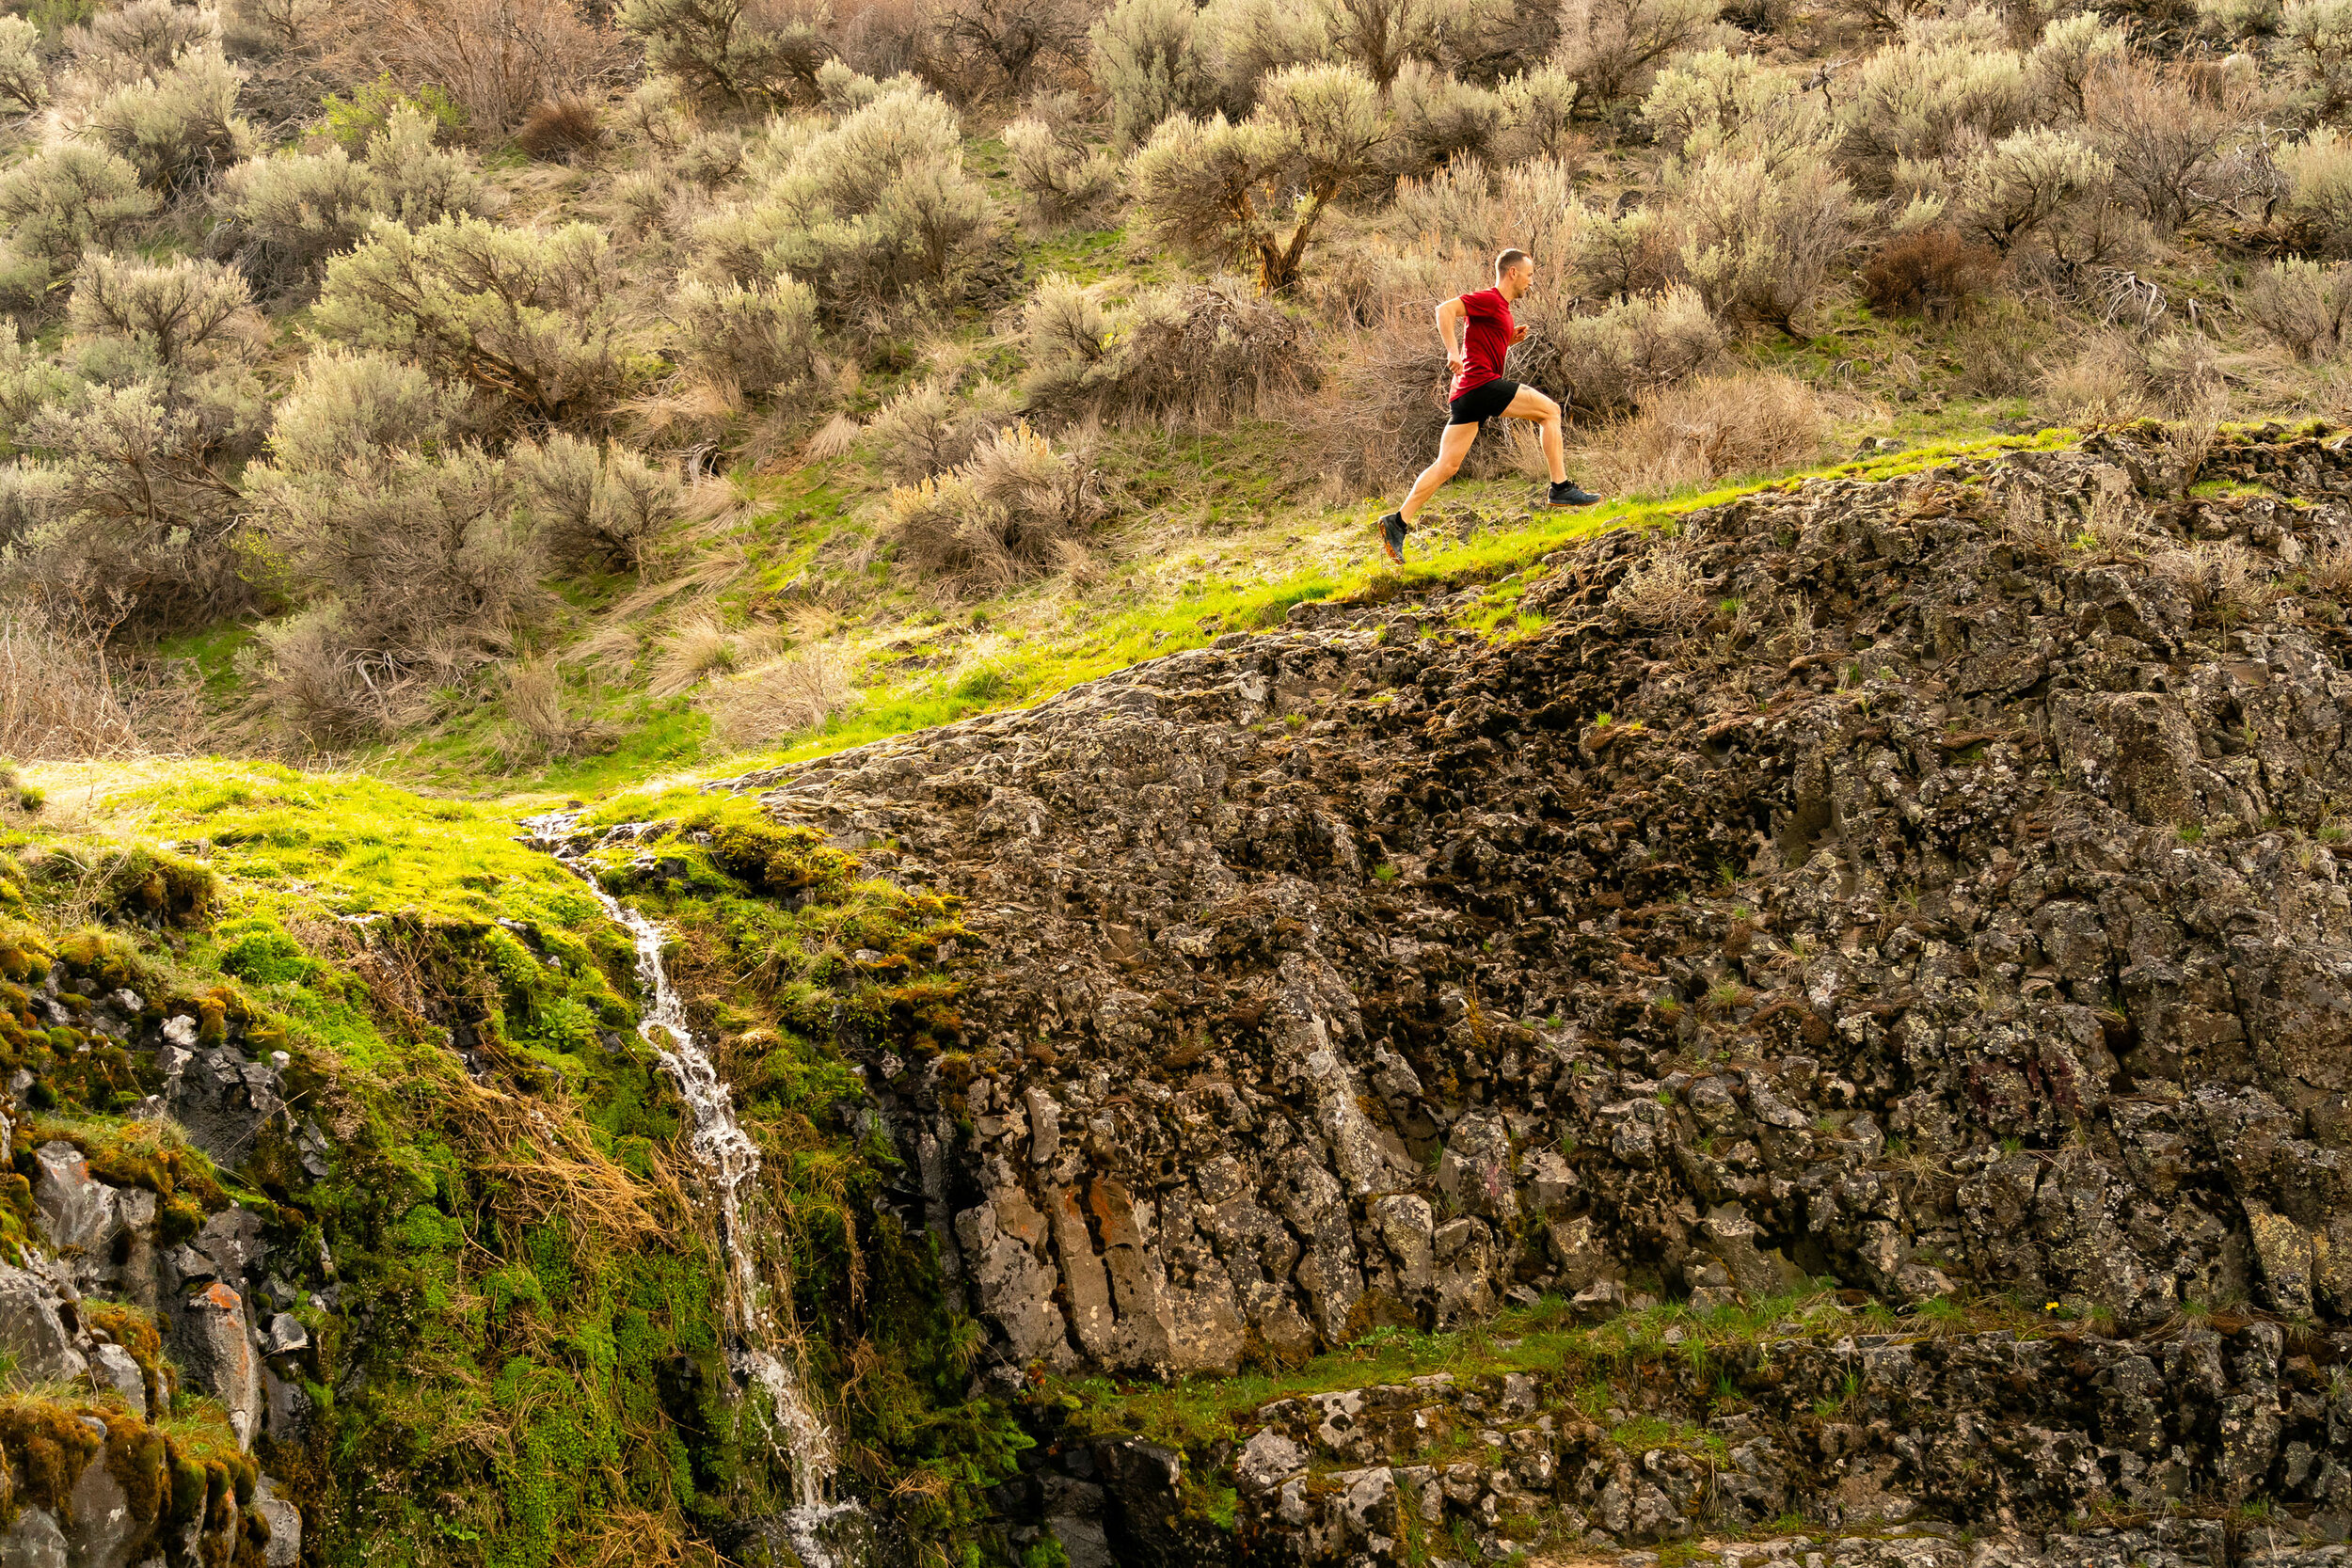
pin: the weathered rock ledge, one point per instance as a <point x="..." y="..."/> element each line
<point x="1935" y="885"/>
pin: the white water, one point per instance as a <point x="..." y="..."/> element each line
<point x="762" y="1356"/>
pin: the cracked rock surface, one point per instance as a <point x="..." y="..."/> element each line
<point x="1937" y="885"/>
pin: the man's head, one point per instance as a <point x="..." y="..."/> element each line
<point x="1515" y="269"/>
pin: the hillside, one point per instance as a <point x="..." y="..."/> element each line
<point x="1813" y="1028"/>
<point x="720" y="843"/>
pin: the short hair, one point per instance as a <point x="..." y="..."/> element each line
<point x="1508" y="259"/>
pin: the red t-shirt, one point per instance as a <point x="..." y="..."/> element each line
<point x="1486" y="341"/>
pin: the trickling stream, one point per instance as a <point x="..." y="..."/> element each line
<point x="762" y="1355"/>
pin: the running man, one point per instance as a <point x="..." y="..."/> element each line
<point x="1477" y="331"/>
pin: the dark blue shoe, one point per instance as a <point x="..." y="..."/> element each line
<point x="1568" y="493"/>
<point x="1393" y="537"/>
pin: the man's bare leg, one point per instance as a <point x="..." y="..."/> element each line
<point x="1532" y="404"/>
<point x="1452" y="449"/>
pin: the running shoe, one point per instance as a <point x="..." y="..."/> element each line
<point x="1568" y="493"/>
<point x="1393" y="537"/>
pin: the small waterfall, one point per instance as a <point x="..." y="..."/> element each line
<point x="762" y="1356"/>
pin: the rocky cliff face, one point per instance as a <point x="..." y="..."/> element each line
<point x="130" y="1280"/>
<point x="1935" y="885"/>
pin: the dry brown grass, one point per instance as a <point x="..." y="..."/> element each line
<point x="2330" y="570"/>
<point x="1714" y="428"/>
<point x="1664" y="590"/>
<point x="791" y="692"/>
<point x="542" y="723"/>
<point x="837" y="438"/>
<point x="699" y="647"/>
<point x="2219" y="575"/>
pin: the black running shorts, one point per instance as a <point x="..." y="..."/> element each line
<point x="1484" y="402"/>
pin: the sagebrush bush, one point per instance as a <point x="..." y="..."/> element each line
<point x="1438" y="119"/>
<point x="531" y="317"/>
<point x="291" y="211"/>
<point x="170" y="309"/>
<point x="23" y="75"/>
<point x="1060" y="177"/>
<point x="1712" y="101"/>
<point x="1714" y="428"/>
<point x="2012" y="189"/>
<point x="180" y="127"/>
<point x="2314" y="43"/>
<point x="1207" y="353"/>
<point x="594" y="507"/>
<point x="411" y="540"/>
<point x="927" y="429"/>
<point x="1624" y="255"/>
<point x="1759" y="243"/>
<point x="1539" y="115"/>
<point x="863" y="211"/>
<point x="1615" y="47"/>
<point x="1927" y="96"/>
<point x="134" y="510"/>
<point x="1933" y="273"/>
<point x="1151" y="59"/>
<point x="54" y="206"/>
<point x="758" y="339"/>
<point x="1019" y="507"/>
<point x="1253" y="192"/>
<point x="1605" y="362"/>
<point x="142" y="39"/>
<point x="2318" y="173"/>
<point x="2306" y="305"/>
<point x="2074" y="51"/>
<point x="737" y="52"/>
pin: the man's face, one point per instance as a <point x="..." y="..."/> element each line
<point x="1516" y="277"/>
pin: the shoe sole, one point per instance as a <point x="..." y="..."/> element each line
<point x="1568" y="506"/>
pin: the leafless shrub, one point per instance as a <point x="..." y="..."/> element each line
<point x="1663" y="590"/>
<point x="64" y="693"/>
<point x="498" y="60"/>
<point x="1615" y="47"/>
<point x="2306" y="305"/>
<point x="793" y="692"/>
<point x="1018" y="508"/>
<point x="2160" y="136"/>
<point x="1716" y="427"/>
<point x="326" y="686"/>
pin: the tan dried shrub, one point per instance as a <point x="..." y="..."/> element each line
<point x="543" y="725"/>
<point x="1662" y="591"/>
<point x="2219" y="575"/>
<point x="1712" y="428"/>
<point x="1019" y="507"/>
<point x="793" y="692"/>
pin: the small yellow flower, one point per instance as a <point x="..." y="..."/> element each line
<point x="2051" y="1306"/>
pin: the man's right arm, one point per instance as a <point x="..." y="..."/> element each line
<point x="1450" y="318"/>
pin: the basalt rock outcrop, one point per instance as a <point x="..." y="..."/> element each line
<point x="127" y="1293"/>
<point x="1934" y="884"/>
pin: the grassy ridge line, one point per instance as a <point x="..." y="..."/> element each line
<point x="1155" y="631"/>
